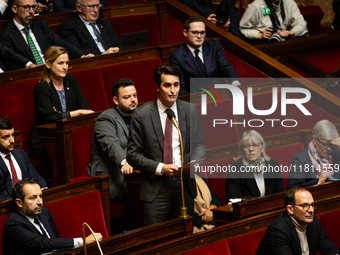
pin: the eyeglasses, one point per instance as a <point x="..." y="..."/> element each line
<point x="325" y="145"/>
<point x="28" y="7"/>
<point x="92" y="6"/>
<point x="196" y="33"/>
<point x="306" y="207"/>
<point x="255" y="146"/>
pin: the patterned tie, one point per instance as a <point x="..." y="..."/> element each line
<point x="36" y="221"/>
<point x="31" y="44"/>
<point x="99" y="36"/>
<point x="14" y="173"/>
<point x="167" y="148"/>
<point x="200" y="63"/>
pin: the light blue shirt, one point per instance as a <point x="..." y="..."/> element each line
<point x="90" y="29"/>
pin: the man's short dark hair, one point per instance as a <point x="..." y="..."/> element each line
<point x="18" y="190"/>
<point x="165" y="69"/>
<point x="191" y="20"/>
<point x="290" y="195"/>
<point x="121" y="83"/>
<point x="5" y="123"/>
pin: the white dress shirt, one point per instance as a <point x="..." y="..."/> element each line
<point x="176" y="149"/>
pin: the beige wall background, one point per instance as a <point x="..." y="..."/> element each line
<point x="326" y="6"/>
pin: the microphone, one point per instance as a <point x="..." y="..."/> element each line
<point x="172" y="117"/>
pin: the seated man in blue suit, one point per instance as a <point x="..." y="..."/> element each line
<point x="89" y="32"/>
<point x="14" y="163"/>
<point x="201" y="59"/>
<point x="30" y="229"/>
<point x="31" y="38"/>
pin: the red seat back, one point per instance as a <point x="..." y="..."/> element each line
<point x="221" y="134"/>
<point x="313" y="15"/>
<point x="118" y="2"/>
<point x="246" y="244"/>
<point x="91" y="83"/>
<point x="284" y="156"/>
<point x="81" y="150"/>
<point x="331" y="224"/>
<point x="175" y="30"/>
<point x="17" y="104"/>
<point x="2" y="223"/>
<point x="213" y="249"/>
<point x="85" y="208"/>
<point x="136" y="23"/>
<point x="141" y="72"/>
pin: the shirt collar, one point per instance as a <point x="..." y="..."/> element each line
<point x="19" y="26"/>
<point x="85" y="22"/>
<point x="162" y="108"/>
<point x="193" y="50"/>
<point x="4" y="155"/>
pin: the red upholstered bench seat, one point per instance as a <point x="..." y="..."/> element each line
<point x="2" y="223"/>
<point x="331" y="224"/>
<point x="246" y="244"/>
<point x="70" y="214"/>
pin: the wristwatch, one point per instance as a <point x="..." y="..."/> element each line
<point x="123" y="162"/>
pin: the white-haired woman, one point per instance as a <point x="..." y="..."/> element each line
<point x="253" y="174"/>
<point x="319" y="161"/>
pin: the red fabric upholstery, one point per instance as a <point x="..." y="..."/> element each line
<point x="284" y="156"/>
<point x="331" y="224"/>
<point x="264" y="102"/>
<point x="2" y="223"/>
<point x="309" y="121"/>
<point x="54" y="28"/>
<point x="243" y="69"/>
<point x="130" y="24"/>
<point x="221" y="134"/>
<point x="142" y="74"/>
<point x="246" y="244"/>
<point x="218" y="184"/>
<point x="17" y="104"/>
<point x="81" y="150"/>
<point x="326" y="58"/>
<point x="313" y="15"/>
<point x="213" y="249"/>
<point x="118" y="2"/>
<point x="91" y="83"/>
<point x="70" y="214"/>
<point x="175" y="31"/>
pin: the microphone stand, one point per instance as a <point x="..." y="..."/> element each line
<point x="184" y="210"/>
<point x="84" y="238"/>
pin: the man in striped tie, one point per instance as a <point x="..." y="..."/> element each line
<point x="14" y="163"/>
<point x="31" y="38"/>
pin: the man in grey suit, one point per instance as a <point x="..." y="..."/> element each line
<point x="159" y="160"/>
<point x="109" y="141"/>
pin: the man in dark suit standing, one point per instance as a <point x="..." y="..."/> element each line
<point x="31" y="38"/>
<point x="89" y="32"/>
<point x="30" y="229"/>
<point x="297" y="230"/>
<point x="154" y="148"/>
<point x="14" y="163"/>
<point x="201" y="59"/>
<point x="109" y="142"/>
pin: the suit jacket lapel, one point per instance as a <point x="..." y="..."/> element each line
<point x="191" y="61"/>
<point x="207" y="56"/>
<point x="19" y="39"/>
<point x="182" y="118"/>
<point x="40" y="37"/>
<point x="156" y="123"/>
<point x="67" y="88"/>
<point x="54" y="96"/>
<point x="47" y="226"/>
<point x="85" y="31"/>
<point x="20" y="162"/>
<point x="120" y="121"/>
<point x="7" y="176"/>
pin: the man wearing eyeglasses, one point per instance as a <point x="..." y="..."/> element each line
<point x="31" y="38"/>
<point x="198" y="58"/>
<point x="89" y="32"/>
<point x="297" y="230"/>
